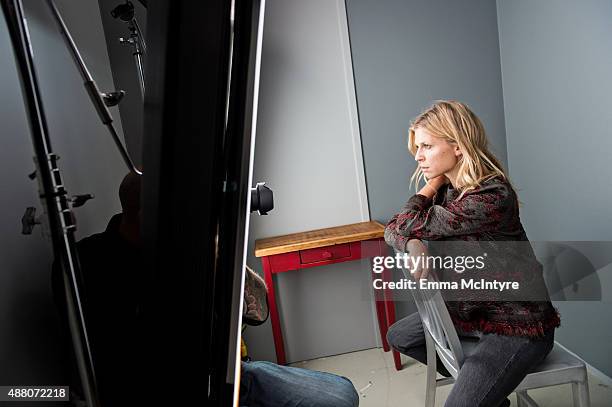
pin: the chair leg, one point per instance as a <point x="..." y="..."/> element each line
<point x="580" y="391"/>
<point x="524" y="400"/>
<point x="575" y="395"/>
<point x="430" y="392"/>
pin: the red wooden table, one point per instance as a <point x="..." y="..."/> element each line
<point x="320" y="248"/>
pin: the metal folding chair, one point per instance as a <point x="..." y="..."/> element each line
<point x="559" y="367"/>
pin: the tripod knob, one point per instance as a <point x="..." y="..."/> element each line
<point x="79" y="200"/>
<point x="29" y="220"/>
<point x="113" y="98"/>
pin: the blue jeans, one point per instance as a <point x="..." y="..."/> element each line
<point x="265" y="384"/>
<point x="489" y="375"/>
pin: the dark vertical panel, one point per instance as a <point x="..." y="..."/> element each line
<point x="183" y="164"/>
<point x="233" y="218"/>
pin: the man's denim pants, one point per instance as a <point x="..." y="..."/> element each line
<point x="270" y="385"/>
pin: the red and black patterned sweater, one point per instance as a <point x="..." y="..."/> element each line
<point x="486" y="215"/>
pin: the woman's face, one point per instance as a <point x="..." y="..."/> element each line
<point x="434" y="155"/>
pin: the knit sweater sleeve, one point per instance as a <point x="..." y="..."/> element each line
<point x="481" y="210"/>
<point x="392" y="236"/>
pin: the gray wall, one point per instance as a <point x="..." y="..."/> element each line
<point x="556" y="62"/>
<point x="308" y="150"/>
<point x="29" y="348"/>
<point x="405" y="56"/>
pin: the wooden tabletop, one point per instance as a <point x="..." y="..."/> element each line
<point x="318" y="238"/>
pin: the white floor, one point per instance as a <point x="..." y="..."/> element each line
<point x="380" y="385"/>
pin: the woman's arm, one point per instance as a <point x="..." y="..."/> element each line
<point x="416" y="248"/>
<point x="397" y="240"/>
<point x="481" y="210"/>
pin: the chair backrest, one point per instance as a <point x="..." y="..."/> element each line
<point x="438" y="323"/>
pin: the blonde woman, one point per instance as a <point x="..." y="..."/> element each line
<point x="467" y="197"/>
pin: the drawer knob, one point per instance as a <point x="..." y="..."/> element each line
<point x="326" y="255"/>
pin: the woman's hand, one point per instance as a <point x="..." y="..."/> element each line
<point x="432" y="186"/>
<point x="438" y="181"/>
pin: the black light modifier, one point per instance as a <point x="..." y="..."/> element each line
<point x="262" y="199"/>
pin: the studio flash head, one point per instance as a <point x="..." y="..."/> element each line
<point x="262" y="199"/>
<point x="124" y="11"/>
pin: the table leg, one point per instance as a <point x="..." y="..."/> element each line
<point x="381" y="314"/>
<point x="390" y="312"/>
<point x="279" y="346"/>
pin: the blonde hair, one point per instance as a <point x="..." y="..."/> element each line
<point x="454" y="122"/>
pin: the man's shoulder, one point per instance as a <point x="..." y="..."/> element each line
<point x="101" y="239"/>
<point x="92" y="241"/>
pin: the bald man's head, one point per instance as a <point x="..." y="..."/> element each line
<point x="129" y="194"/>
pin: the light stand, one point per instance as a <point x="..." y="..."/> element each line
<point x="53" y="195"/>
<point x="125" y="12"/>
<point x="97" y="98"/>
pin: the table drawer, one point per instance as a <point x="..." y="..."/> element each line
<point x="338" y="251"/>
